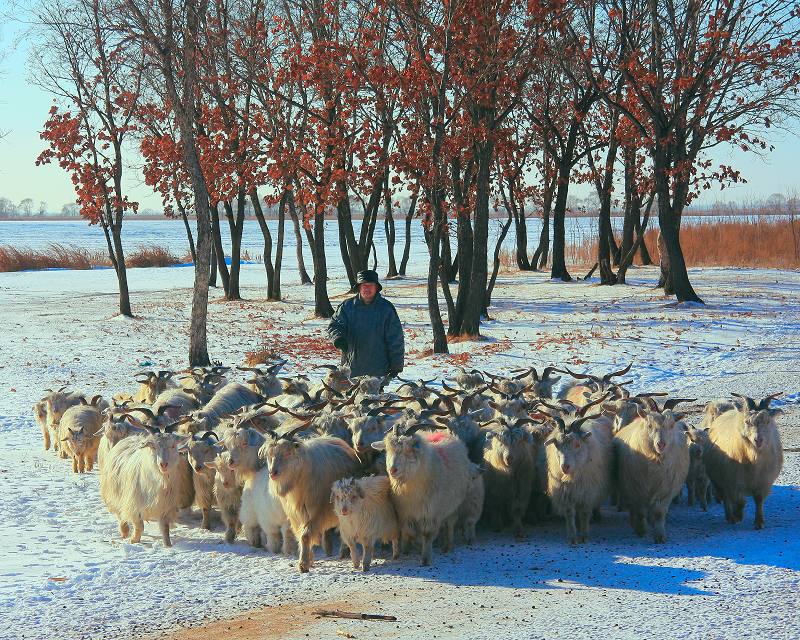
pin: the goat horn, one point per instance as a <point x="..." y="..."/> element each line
<point x="289" y="435"/>
<point x="165" y="407"/>
<point x="411" y="430"/>
<point x="673" y="402"/>
<point x="283" y="409"/>
<point x="576" y="424"/>
<point x="614" y="374"/>
<point x="585" y="409"/>
<point x="764" y="404"/>
<point x="62" y="388"/>
<point x="582" y="376"/>
<point x="547" y="371"/>
<point x="332" y="390"/>
<point x="751" y="404"/>
<point x="148" y="412"/>
<point x="450" y="389"/>
<point x="524" y="373"/>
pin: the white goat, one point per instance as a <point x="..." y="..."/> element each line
<point x="301" y="475"/>
<point x="652" y="462"/>
<point x="578" y="459"/>
<point x="744" y="457"/>
<point x="366" y="516"/>
<point x="146" y="478"/>
<point x="430" y="477"/>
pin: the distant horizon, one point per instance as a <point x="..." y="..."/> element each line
<point x="731" y="209"/>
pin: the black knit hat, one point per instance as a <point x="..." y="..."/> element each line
<point x="368" y="276"/>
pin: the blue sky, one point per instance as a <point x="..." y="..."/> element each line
<point x="24" y="107"/>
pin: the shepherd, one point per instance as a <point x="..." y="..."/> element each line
<point x="367" y="330"/>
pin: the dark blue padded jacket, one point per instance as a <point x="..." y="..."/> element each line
<point x="373" y="334"/>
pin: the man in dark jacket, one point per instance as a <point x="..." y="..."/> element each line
<point x="367" y="330"/>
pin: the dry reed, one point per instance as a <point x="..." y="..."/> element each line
<point x="152" y="257"/>
<point x="755" y="242"/>
<point x="53" y="256"/>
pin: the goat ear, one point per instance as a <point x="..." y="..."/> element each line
<point x="379" y="446"/>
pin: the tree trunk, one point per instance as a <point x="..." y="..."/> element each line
<point x="265" y="232"/>
<point x="407" y="242"/>
<point x="322" y="304"/>
<point x="276" y="279"/>
<point x="539" y="260"/>
<point x="607" y="275"/>
<point x="628" y="227"/>
<point x="117" y="257"/>
<point x="612" y="243"/>
<point x="347" y="258"/>
<point x="236" y="226"/>
<point x="212" y="272"/>
<point x="388" y="225"/>
<point x="298" y="239"/>
<point x="496" y="263"/>
<point x="185" y="219"/>
<point x="521" y="229"/>
<point x="674" y="272"/>
<point x="559" y="267"/>
<point x="220" y="252"/>
<point x="122" y="273"/>
<point x="446" y="257"/>
<point x="465" y="242"/>
<point x="479" y="276"/>
<point x="627" y="257"/>
<point x="604" y="184"/>
<point x="644" y="254"/>
<point x="437" y="326"/>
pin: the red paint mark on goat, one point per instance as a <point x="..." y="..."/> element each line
<point x="435" y="436"/>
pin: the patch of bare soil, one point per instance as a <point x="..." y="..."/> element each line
<point x="279" y="621"/>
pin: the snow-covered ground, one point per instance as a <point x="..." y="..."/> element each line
<point x="64" y="573"/>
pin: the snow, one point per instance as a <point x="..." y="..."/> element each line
<point x="65" y="573"/>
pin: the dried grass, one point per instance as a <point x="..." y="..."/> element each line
<point x="54" y="256"/>
<point x="152" y="257"/>
<point x="754" y="242"/>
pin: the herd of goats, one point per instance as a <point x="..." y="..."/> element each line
<point x="287" y="460"/>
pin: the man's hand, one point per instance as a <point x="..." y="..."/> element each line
<point x="340" y="344"/>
